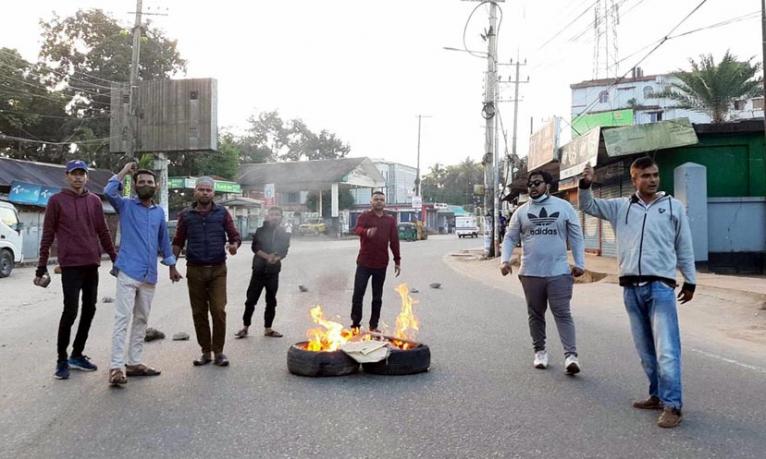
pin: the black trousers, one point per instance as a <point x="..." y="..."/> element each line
<point x="259" y="281"/>
<point x="363" y="275"/>
<point x="75" y="280"/>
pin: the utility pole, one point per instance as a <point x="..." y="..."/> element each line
<point x="417" y="176"/>
<point x="161" y="162"/>
<point x="490" y="146"/>
<point x="516" y="100"/>
<point x="516" y="83"/>
<point x="132" y="80"/>
<point x="417" y="173"/>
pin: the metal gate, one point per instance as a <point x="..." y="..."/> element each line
<point x="590" y="231"/>
<point x="608" y="239"/>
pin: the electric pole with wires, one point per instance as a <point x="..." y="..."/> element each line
<point x="160" y="164"/>
<point x="490" y="160"/>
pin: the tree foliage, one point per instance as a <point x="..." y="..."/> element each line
<point x="713" y="88"/>
<point x="65" y="96"/>
<point x="453" y="184"/>
<point x="270" y="138"/>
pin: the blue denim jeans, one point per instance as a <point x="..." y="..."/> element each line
<point x="654" y="324"/>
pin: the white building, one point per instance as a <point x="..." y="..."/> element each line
<point x="636" y="93"/>
<point x="400" y="183"/>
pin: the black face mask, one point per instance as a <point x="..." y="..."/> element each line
<point x="145" y="192"/>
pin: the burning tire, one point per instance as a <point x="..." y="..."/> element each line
<point x="402" y="362"/>
<point x="308" y="363"/>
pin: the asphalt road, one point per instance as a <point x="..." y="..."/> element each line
<point x="482" y="398"/>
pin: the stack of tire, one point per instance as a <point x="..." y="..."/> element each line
<point x="303" y="362"/>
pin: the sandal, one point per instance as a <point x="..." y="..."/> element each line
<point x="272" y="334"/>
<point x="241" y="334"/>
<point x="116" y="377"/>
<point x="141" y="370"/>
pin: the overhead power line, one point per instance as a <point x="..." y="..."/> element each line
<point x="103" y="140"/>
<point x="662" y="41"/>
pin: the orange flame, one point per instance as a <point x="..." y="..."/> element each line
<point x="327" y="338"/>
<point x="407" y="325"/>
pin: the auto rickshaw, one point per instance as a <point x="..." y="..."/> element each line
<point x="407" y="231"/>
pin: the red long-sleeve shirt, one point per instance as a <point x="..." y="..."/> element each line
<point x="77" y="222"/>
<point x="373" y="251"/>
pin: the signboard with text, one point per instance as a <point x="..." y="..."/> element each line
<point x="577" y="153"/>
<point x="544" y="144"/>
<point x="649" y="137"/>
<point x="221" y="186"/>
<point x="30" y="194"/>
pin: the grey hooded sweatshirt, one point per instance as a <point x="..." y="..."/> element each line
<point x="544" y="226"/>
<point x="652" y="239"/>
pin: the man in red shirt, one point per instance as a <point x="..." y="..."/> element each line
<point x="377" y="231"/>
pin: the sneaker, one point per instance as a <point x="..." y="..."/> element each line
<point x="62" y="370"/>
<point x="82" y="363"/>
<point x="374" y="330"/>
<point x="651" y="403"/>
<point x="355" y="329"/>
<point x="571" y="365"/>
<point x="670" y="417"/>
<point x="541" y="360"/>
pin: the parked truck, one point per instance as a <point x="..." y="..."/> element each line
<point x="10" y="239"/>
<point x="466" y="227"/>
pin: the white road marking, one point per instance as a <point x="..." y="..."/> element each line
<point x="728" y="360"/>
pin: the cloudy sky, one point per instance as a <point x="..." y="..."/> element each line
<point x="365" y="69"/>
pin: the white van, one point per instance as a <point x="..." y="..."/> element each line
<point x="466" y="226"/>
<point x="10" y="239"/>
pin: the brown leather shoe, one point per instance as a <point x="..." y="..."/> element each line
<point x="651" y="403"/>
<point x="670" y="417"/>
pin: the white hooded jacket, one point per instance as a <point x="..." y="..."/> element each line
<point x="652" y="239"/>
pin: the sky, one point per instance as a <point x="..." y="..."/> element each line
<point x="366" y="69"/>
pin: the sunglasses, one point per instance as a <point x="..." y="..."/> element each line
<point x="535" y="183"/>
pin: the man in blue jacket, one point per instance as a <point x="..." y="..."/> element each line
<point x="653" y="239"/>
<point x="144" y="234"/>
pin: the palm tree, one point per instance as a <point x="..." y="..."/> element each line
<point x="712" y="88"/>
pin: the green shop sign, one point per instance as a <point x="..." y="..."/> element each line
<point x="221" y="186"/>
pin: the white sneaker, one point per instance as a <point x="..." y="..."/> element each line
<point x="571" y="365"/>
<point x="541" y="360"/>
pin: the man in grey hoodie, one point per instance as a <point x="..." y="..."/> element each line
<point x="653" y="239"/>
<point x="544" y="225"/>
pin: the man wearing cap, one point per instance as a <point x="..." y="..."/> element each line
<point x="204" y="228"/>
<point x="144" y="234"/>
<point x="74" y="217"/>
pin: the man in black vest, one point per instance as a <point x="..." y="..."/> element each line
<point x="203" y="228"/>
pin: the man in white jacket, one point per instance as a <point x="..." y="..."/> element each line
<point x="653" y="239"/>
<point x="544" y="225"/>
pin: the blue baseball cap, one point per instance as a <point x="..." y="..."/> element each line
<point x="76" y="164"/>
